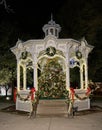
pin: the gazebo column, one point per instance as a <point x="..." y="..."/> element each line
<point x="35" y="77"/>
<point x="35" y="74"/>
<point x="86" y="75"/>
<point x="24" y="77"/>
<point x="67" y="77"/>
<point x="18" y="76"/>
<point x="81" y="76"/>
<point x="67" y="69"/>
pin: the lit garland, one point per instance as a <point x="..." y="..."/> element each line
<point x="22" y="98"/>
<point x="34" y="100"/>
<point x="87" y="94"/>
<point x="70" y="101"/>
<point x="30" y="96"/>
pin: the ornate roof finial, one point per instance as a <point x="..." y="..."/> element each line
<point x="51" y="28"/>
<point x="51" y="17"/>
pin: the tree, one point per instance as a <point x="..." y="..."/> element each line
<point x="52" y="80"/>
<point x="7" y="58"/>
<point x="6" y="6"/>
<point x="5" y="78"/>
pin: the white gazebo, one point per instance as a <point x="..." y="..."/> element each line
<point x="71" y="54"/>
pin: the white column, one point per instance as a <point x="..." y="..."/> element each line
<point x="35" y="72"/>
<point x="81" y="76"/>
<point x="24" y="77"/>
<point x="67" y="69"/>
<point x="86" y="74"/>
<point x="18" y="76"/>
<point x="35" y="77"/>
<point x="67" y="77"/>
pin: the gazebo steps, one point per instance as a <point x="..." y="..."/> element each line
<point x="52" y="107"/>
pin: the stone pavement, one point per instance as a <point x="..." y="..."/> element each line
<point x="14" y="121"/>
<point x="5" y="104"/>
<point x="18" y="122"/>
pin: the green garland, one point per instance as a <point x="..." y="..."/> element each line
<point x="81" y="98"/>
<point x="27" y="97"/>
<point x="22" y="98"/>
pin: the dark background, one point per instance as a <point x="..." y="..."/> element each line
<point x="31" y="15"/>
<point x="24" y="19"/>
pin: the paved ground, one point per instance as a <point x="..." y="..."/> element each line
<point x="17" y="122"/>
<point x="13" y="121"/>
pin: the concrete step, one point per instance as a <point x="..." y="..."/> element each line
<point x="52" y="107"/>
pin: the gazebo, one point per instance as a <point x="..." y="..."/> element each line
<point x="33" y="55"/>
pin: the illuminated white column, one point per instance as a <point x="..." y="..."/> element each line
<point x="81" y="76"/>
<point x="24" y="78"/>
<point x="67" y="69"/>
<point x="18" y="76"/>
<point x="67" y="77"/>
<point x="35" y="77"/>
<point x="35" y="74"/>
<point x="86" y="75"/>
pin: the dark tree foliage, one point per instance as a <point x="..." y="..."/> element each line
<point x="7" y="59"/>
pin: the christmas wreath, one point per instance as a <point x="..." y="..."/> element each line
<point x="51" y="51"/>
<point x="78" y="54"/>
<point x="24" y="55"/>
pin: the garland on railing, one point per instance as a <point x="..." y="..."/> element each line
<point x="22" y="98"/>
<point x="71" y="98"/>
<point x="34" y="98"/>
<point x="73" y="94"/>
<point x="30" y="95"/>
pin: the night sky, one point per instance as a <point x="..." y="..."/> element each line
<point x="31" y="15"/>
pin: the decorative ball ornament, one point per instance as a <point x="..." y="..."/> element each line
<point x="24" y="55"/>
<point x="78" y="54"/>
<point x="51" y="51"/>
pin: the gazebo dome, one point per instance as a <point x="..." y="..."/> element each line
<point x="51" y="28"/>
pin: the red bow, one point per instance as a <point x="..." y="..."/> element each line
<point x="88" y="91"/>
<point x="72" y="93"/>
<point x="32" y="93"/>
